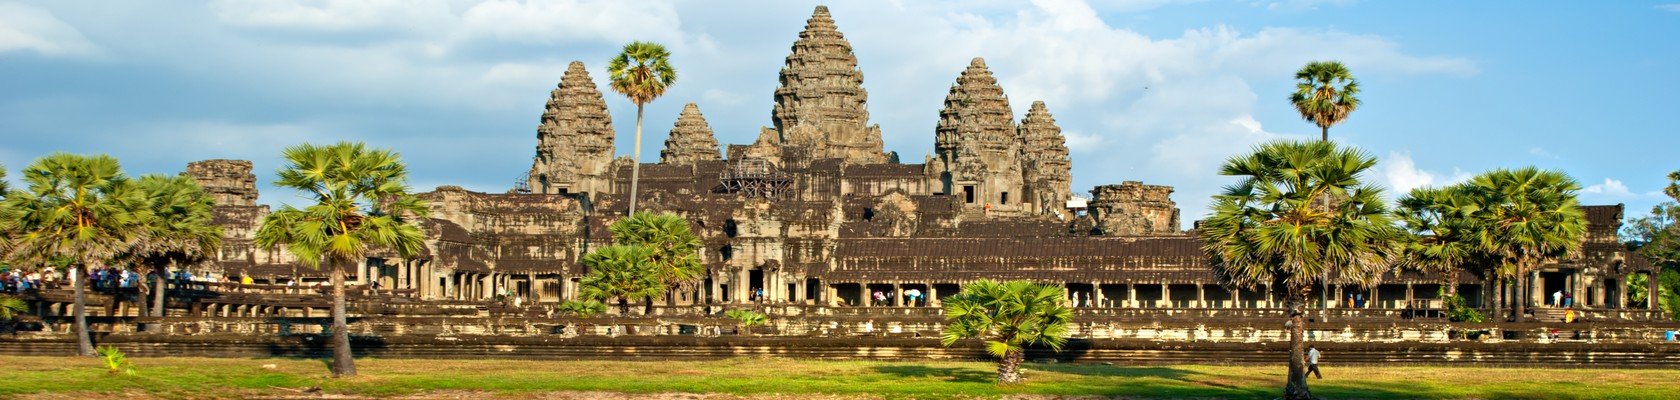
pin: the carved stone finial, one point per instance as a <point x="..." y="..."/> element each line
<point x="691" y="139"/>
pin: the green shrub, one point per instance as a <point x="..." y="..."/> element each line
<point x="582" y="308"/>
<point x="1458" y="309"/>
<point x="115" y="360"/>
<point x="10" y="307"/>
<point x="747" y="318"/>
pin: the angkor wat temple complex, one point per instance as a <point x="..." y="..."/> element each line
<point x="816" y="212"/>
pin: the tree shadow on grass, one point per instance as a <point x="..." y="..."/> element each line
<point x="950" y="374"/>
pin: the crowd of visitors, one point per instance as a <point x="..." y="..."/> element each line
<point x="17" y="281"/>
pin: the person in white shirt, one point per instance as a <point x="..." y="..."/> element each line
<point x="1557" y="298"/>
<point x="1312" y="362"/>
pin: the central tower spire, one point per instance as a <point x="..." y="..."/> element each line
<point x="821" y="104"/>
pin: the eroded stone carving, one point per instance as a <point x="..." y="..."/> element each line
<point x="822" y="89"/>
<point x="575" y="139"/>
<point x="691" y="139"/>
<point x="1133" y="208"/>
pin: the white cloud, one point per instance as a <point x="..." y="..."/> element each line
<point x="1080" y="142"/>
<point x="1175" y="106"/>
<point x="1402" y="174"/>
<point x="28" y="28"/>
<point x="1610" y="188"/>
<point x="562" y="21"/>
<point x="1301" y="5"/>
<point x="1541" y="152"/>
<point x="1675" y="7"/>
<point x="721" y="98"/>
<point x="333" y="15"/>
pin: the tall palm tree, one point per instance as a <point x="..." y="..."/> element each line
<point x="76" y="207"/>
<point x="1325" y="94"/>
<point x="180" y="230"/>
<point x="1525" y="218"/>
<point x="1009" y="316"/>
<point x="1299" y="216"/>
<point x="1439" y="232"/>
<point x="361" y="202"/>
<point x="674" y="249"/>
<point x="641" y="72"/>
<point x="622" y="272"/>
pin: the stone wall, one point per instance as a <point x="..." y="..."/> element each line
<point x="1133" y="208"/>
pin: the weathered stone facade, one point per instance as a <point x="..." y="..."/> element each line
<point x="575" y="138"/>
<point x="821" y="106"/>
<point x="1133" y="208"/>
<point x="230" y="182"/>
<point x="691" y="140"/>
<point x="977" y="151"/>
<point x="1047" y="169"/>
<point x="811" y="213"/>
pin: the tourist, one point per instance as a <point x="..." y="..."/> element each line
<point x="1359" y="300"/>
<point x="1568" y="315"/>
<point x="914" y="296"/>
<point x="1557" y="298"/>
<point x="1312" y="361"/>
<point x="1568" y="299"/>
<point x="879" y="298"/>
<point x="246" y="280"/>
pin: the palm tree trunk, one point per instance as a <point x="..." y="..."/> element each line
<point x="1009" y="368"/>
<point x="1324" y="133"/>
<point x="159" y="293"/>
<point x="623" y="306"/>
<point x="343" y="361"/>
<point x="1499" y="297"/>
<point x="1520" y="293"/>
<point x="647" y="308"/>
<point x="84" y="342"/>
<point x="1297" y="326"/>
<point x="636" y="160"/>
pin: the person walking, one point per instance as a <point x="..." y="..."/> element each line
<point x="1568" y="299"/>
<point x="1312" y="362"/>
<point x="1557" y="298"/>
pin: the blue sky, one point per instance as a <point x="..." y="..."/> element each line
<point x="1153" y="90"/>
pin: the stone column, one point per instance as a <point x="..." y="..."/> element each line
<point x="1131" y="296"/>
<point x="864" y="296"/>
<point x="1599" y="295"/>
<point x="897" y="295"/>
<point x="1201" y="296"/>
<point x="1267" y="302"/>
<point x="535" y="288"/>
<point x="933" y="296"/>
<point x="1372" y="301"/>
<point x="1236" y="298"/>
<point x="1651" y="294"/>
<point x="741" y="287"/>
<point x="1067" y="294"/>
<point x="1097" y="294"/>
<point x="1166" y="297"/>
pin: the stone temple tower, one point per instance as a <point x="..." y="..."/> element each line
<point x="574" y="140"/>
<point x="977" y="152"/>
<point x="821" y="106"/>
<point x="691" y="139"/>
<point x="1045" y="164"/>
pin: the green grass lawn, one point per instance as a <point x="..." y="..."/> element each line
<point x="67" y="377"/>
